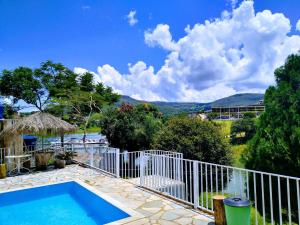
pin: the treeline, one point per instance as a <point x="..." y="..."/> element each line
<point x="141" y="127"/>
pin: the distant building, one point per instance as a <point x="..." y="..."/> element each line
<point x="230" y="112"/>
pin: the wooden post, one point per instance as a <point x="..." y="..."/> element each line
<point x="219" y="211"/>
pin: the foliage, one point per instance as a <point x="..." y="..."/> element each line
<point x="225" y="127"/>
<point x="249" y="115"/>
<point x="55" y="88"/>
<point x="237" y="151"/>
<point x="242" y="130"/>
<point x="212" y="115"/>
<point x="197" y="139"/>
<point x="9" y="111"/>
<point x="275" y="146"/>
<point x="238" y="100"/>
<point x="131" y="127"/>
<point x="23" y="84"/>
<point x="175" y="108"/>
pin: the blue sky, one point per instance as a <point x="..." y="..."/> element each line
<point x="97" y="36"/>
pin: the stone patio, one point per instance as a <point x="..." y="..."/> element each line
<point x="152" y="208"/>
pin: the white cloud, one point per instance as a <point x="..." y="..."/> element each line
<point x="132" y="20"/>
<point x="235" y="53"/>
<point x="160" y="36"/>
<point x="96" y="78"/>
<point x="298" y="25"/>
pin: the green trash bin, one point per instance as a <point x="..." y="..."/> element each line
<point x="237" y="211"/>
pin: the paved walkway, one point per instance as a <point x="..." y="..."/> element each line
<point x="152" y="208"/>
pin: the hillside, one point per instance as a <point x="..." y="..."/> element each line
<point x="238" y="100"/>
<point x="172" y="108"/>
<point x="168" y="108"/>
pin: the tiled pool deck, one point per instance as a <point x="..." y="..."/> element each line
<point x="151" y="208"/>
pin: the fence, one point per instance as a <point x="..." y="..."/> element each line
<point x="275" y="198"/>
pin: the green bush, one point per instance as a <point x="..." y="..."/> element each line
<point x="130" y="127"/>
<point x="196" y="139"/>
<point x="242" y="131"/>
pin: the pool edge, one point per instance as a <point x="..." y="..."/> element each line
<point x="133" y="215"/>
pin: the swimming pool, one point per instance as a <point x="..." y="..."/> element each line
<point x="68" y="203"/>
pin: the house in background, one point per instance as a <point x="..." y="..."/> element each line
<point x="234" y="112"/>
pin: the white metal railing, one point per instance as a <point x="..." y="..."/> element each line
<point x="97" y="156"/>
<point x="275" y="198"/>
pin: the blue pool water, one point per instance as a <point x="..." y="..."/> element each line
<point x="58" y="204"/>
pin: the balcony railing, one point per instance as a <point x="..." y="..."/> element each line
<point x="275" y="198"/>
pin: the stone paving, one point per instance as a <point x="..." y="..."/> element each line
<point x="152" y="208"/>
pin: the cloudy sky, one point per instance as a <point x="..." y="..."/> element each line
<point x="187" y="50"/>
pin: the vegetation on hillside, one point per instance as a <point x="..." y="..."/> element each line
<point x="176" y="108"/>
<point x="239" y="100"/>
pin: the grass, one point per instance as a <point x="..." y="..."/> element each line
<point x="90" y="130"/>
<point x="225" y="127"/>
<point x="237" y="151"/>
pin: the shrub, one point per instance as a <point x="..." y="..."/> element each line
<point x="196" y="139"/>
<point x="242" y="130"/>
<point x="130" y="127"/>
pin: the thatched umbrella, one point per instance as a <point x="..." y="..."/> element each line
<point x="39" y="123"/>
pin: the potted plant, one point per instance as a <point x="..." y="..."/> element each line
<point x="69" y="157"/>
<point x="60" y="160"/>
<point x="41" y="160"/>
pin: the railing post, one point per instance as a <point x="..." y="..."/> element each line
<point x="196" y="184"/>
<point x="118" y="163"/>
<point x="92" y="156"/>
<point x="142" y="168"/>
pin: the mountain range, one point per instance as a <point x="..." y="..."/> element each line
<point x="173" y="108"/>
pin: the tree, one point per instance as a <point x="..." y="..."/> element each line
<point x="23" y="84"/>
<point x="212" y="115"/>
<point x="275" y="146"/>
<point x="37" y="87"/>
<point x="249" y="115"/>
<point x="82" y="100"/>
<point x="242" y="130"/>
<point x="8" y="111"/>
<point x="196" y="139"/>
<point x="57" y="89"/>
<point x="131" y="127"/>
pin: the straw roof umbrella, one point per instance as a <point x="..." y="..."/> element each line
<point x="39" y="123"/>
